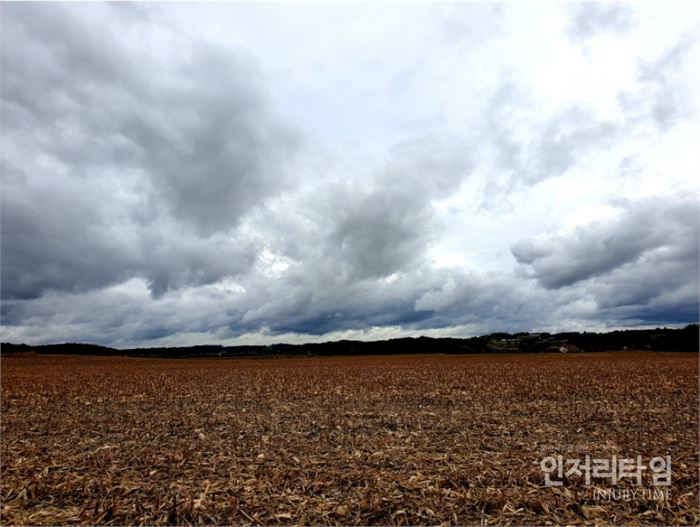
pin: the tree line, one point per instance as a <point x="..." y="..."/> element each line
<point x="660" y="339"/>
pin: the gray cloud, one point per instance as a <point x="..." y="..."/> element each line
<point x="296" y="303"/>
<point x="118" y="164"/>
<point x="638" y="268"/>
<point x="151" y="189"/>
<point x="661" y="288"/>
<point x="377" y="234"/>
<point x="466" y="23"/>
<point x="311" y="297"/>
<point x="647" y="232"/>
<point x="590" y="18"/>
<point x="52" y="238"/>
<point x="663" y="96"/>
<point x="384" y="229"/>
<point x="356" y="249"/>
<point x="223" y="150"/>
<point x="553" y="145"/>
<point x="201" y="128"/>
<point x="563" y="140"/>
<point x="56" y="236"/>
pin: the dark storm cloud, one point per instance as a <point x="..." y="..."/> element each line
<point x="638" y="268"/>
<point x="488" y="300"/>
<point x="590" y="18"/>
<point x="52" y="239"/>
<point x="648" y="233"/>
<point x="636" y="293"/>
<point x="296" y="304"/>
<point x="306" y="308"/>
<point x="118" y="164"/>
<point x="57" y="236"/>
<point x="661" y="287"/>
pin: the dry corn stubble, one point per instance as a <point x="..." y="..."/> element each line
<point x="408" y="440"/>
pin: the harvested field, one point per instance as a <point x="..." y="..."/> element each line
<point x="401" y="440"/>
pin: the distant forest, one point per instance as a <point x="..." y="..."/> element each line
<point x="663" y="339"/>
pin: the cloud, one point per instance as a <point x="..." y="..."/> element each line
<point x="64" y="234"/>
<point x="53" y="238"/>
<point x="377" y="231"/>
<point x="222" y="151"/>
<point x="180" y="173"/>
<point x="352" y="253"/>
<point x="665" y="93"/>
<point x="126" y="314"/>
<point x="638" y="268"/>
<point x="591" y="18"/>
<point x="563" y="140"/>
<point x="646" y="234"/>
<point x="117" y="163"/>
<point x="553" y="144"/>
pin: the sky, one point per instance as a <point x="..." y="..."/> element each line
<point x="236" y="173"/>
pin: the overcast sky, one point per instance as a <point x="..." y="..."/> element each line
<point x="178" y="174"/>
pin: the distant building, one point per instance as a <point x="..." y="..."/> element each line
<point x="503" y="345"/>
